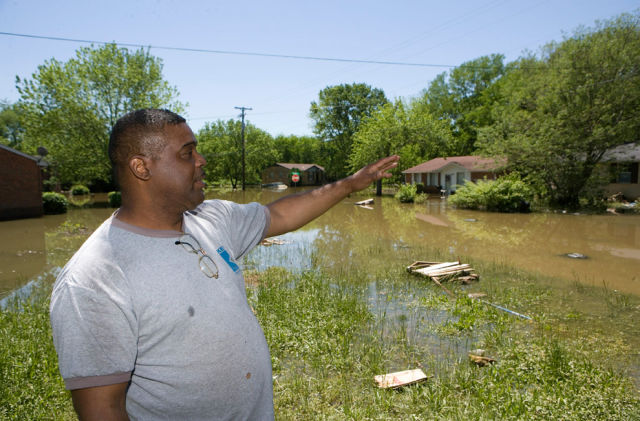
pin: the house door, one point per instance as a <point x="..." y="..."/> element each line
<point x="447" y="183"/>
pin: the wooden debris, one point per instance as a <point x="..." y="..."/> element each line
<point x="272" y="241"/>
<point x="473" y="295"/>
<point x="364" y="202"/>
<point x="445" y="271"/>
<point x="400" y="378"/>
<point x="365" y="207"/>
<point x="477" y="357"/>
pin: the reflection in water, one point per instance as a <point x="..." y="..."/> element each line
<point x="366" y="242"/>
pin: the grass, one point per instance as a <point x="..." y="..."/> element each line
<point x="330" y="334"/>
<point x="31" y="387"/>
<point x="327" y="344"/>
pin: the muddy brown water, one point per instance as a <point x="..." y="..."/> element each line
<point x="537" y="242"/>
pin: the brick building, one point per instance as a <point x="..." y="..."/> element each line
<point x="20" y="185"/>
<point x="310" y="174"/>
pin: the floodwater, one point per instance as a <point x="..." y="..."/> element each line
<point x="537" y="242"/>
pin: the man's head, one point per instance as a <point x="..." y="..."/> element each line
<point x="155" y="160"/>
<point x="139" y="132"/>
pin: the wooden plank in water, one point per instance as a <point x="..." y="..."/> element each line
<point x="436" y="266"/>
<point x="400" y="378"/>
<point x="430" y="271"/>
<point x="419" y="264"/>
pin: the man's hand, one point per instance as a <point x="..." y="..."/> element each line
<point x="372" y="172"/>
<point x="292" y="212"/>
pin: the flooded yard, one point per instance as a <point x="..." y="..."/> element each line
<point x="344" y="237"/>
<point x="344" y="309"/>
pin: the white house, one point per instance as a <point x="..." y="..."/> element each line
<point x="623" y="162"/>
<point x="447" y="173"/>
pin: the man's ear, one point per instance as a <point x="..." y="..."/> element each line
<point x="138" y="167"/>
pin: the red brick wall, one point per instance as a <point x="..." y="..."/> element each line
<point x="482" y="174"/>
<point x="20" y="186"/>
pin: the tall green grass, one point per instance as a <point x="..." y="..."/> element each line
<point x="329" y="335"/>
<point x="30" y="385"/>
<point x="326" y="347"/>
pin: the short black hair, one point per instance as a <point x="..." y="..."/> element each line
<point x="139" y="132"/>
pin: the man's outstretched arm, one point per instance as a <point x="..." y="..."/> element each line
<point x="103" y="403"/>
<point x="292" y="212"/>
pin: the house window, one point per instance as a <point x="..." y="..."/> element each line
<point x="624" y="173"/>
<point x="433" y="179"/>
<point x="460" y="178"/>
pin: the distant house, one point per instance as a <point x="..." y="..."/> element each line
<point x="447" y="173"/>
<point x="310" y="174"/>
<point x="20" y="185"/>
<point x="622" y="163"/>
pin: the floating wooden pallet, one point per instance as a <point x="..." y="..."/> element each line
<point x="444" y="271"/>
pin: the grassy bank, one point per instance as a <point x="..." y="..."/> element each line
<point x="329" y="338"/>
<point x="30" y="387"/>
<point x="329" y="335"/>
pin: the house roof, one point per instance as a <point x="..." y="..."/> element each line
<point x="301" y="167"/>
<point x="629" y="152"/>
<point x="5" y="147"/>
<point x="471" y="163"/>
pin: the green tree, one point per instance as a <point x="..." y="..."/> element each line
<point x="11" y="130"/>
<point x="465" y="98"/>
<point x="408" y="131"/>
<point x="298" y="149"/>
<point x="337" y="114"/>
<point x="220" y="143"/>
<point x="564" y="110"/>
<point x="70" y="107"/>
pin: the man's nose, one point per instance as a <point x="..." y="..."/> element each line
<point x="200" y="161"/>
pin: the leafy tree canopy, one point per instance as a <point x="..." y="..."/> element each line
<point x="465" y="98"/>
<point x="338" y="113"/>
<point x="11" y="130"/>
<point x="408" y="131"/>
<point x="564" y="109"/>
<point x="220" y="143"/>
<point x="299" y="149"/>
<point x="70" y="107"/>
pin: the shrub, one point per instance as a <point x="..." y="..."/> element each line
<point x="54" y="203"/>
<point x="406" y="193"/>
<point x="79" y="189"/>
<point x="115" y="199"/>
<point x="421" y="198"/>
<point x="506" y="194"/>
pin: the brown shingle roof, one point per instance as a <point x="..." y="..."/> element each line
<point x="301" y="167"/>
<point x="472" y="163"/>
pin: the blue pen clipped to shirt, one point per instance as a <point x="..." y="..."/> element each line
<point x="225" y="255"/>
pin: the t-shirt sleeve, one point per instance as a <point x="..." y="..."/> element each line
<point x="94" y="332"/>
<point x="246" y="224"/>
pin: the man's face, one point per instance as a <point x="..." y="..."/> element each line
<point x="177" y="174"/>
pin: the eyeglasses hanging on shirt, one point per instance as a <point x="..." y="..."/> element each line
<point x="206" y="263"/>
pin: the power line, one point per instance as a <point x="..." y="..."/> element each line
<point x="231" y="52"/>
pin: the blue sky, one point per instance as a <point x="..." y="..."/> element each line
<point x="280" y="90"/>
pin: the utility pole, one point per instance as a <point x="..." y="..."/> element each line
<point x="243" y="109"/>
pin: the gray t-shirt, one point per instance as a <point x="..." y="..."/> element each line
<point x="131" y="305"/>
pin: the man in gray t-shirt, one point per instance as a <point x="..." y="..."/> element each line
<point x="150" y="318"/>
